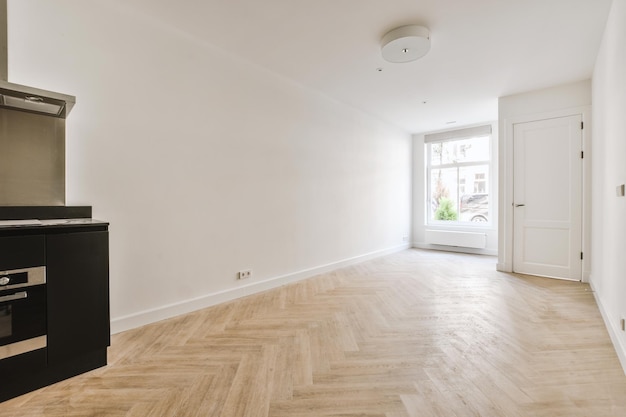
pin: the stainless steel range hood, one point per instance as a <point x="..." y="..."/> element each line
<point x="35" y="100"/>
<point x="21" y="97"/>
<point x="32" y="138"/>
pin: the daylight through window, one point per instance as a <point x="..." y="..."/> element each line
<point x="458" y="176"/>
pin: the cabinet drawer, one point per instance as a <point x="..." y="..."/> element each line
<point x="22" y="252"/>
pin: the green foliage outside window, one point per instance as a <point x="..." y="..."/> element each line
<point x="446" y="210"/>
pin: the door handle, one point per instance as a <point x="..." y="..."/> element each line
<point x="520" y="205"/>
<point x="13" y="297"/>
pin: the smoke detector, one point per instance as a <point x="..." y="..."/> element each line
<point x="405" y="44"/>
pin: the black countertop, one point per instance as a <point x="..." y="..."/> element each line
<point x="36" y="223"/>
<point x="23" y="218"/>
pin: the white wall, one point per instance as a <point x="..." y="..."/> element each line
<point x="558" y="101"/>
<point x="204" y="163"/>
<point x="608" y="277"/>
<point x="419" y="201"/>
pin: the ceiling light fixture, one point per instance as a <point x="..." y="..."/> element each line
<point x="406" y="43"/>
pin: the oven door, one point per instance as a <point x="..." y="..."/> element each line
<point x="22" y="320"/>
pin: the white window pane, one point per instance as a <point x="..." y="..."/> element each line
<point x="444" y="194"/>
<point x="458" y="192"/>
<point x="436" y="156"/>
<point x="474" y="202"/>
<point x="458" y="151"/>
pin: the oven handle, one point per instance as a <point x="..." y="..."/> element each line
<point x="17" y="296"/>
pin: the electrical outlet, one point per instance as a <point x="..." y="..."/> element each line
<point x="244" y="274"/>
<point x="405" y="238"/>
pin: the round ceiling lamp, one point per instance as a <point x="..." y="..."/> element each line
<point x="406" y="43"/>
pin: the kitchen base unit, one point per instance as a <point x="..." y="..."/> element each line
<point x="54" y="299"/>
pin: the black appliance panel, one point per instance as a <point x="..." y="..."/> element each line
<point x="22" y="314"/>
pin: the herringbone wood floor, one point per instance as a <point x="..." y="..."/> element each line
<point x="417" y="333"/>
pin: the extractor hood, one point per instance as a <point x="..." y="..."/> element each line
<point x="35" y="100"/>
<point x="21" y="97"/>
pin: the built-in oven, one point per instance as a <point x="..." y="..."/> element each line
<point x="22" y="311"/>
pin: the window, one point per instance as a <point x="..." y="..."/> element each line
<point x="458" y="166"/>
<point x="480" y="183"/>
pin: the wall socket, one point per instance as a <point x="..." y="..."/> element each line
<point x="244" y="274"/>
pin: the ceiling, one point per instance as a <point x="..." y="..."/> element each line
<point x="480" y="49"/>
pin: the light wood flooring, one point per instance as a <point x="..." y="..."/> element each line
<point x="413" y="334"/>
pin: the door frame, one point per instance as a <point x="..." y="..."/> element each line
<point x="505" y="184"/>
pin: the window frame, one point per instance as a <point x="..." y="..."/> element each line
<point x="451" y="136"/>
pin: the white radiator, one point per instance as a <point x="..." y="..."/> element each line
<point x="462" y="239"/>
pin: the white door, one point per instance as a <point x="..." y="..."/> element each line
<point x="547" y="197"/>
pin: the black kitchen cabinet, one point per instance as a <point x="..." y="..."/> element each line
<point x="78" y="294"/>
<point x="21" y="251"/>
<point x="75" y="254"/>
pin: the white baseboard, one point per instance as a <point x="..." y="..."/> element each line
<point x="142" y="318"/>
<point x="422" y="245"/>
<point x="614" y="331"/>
